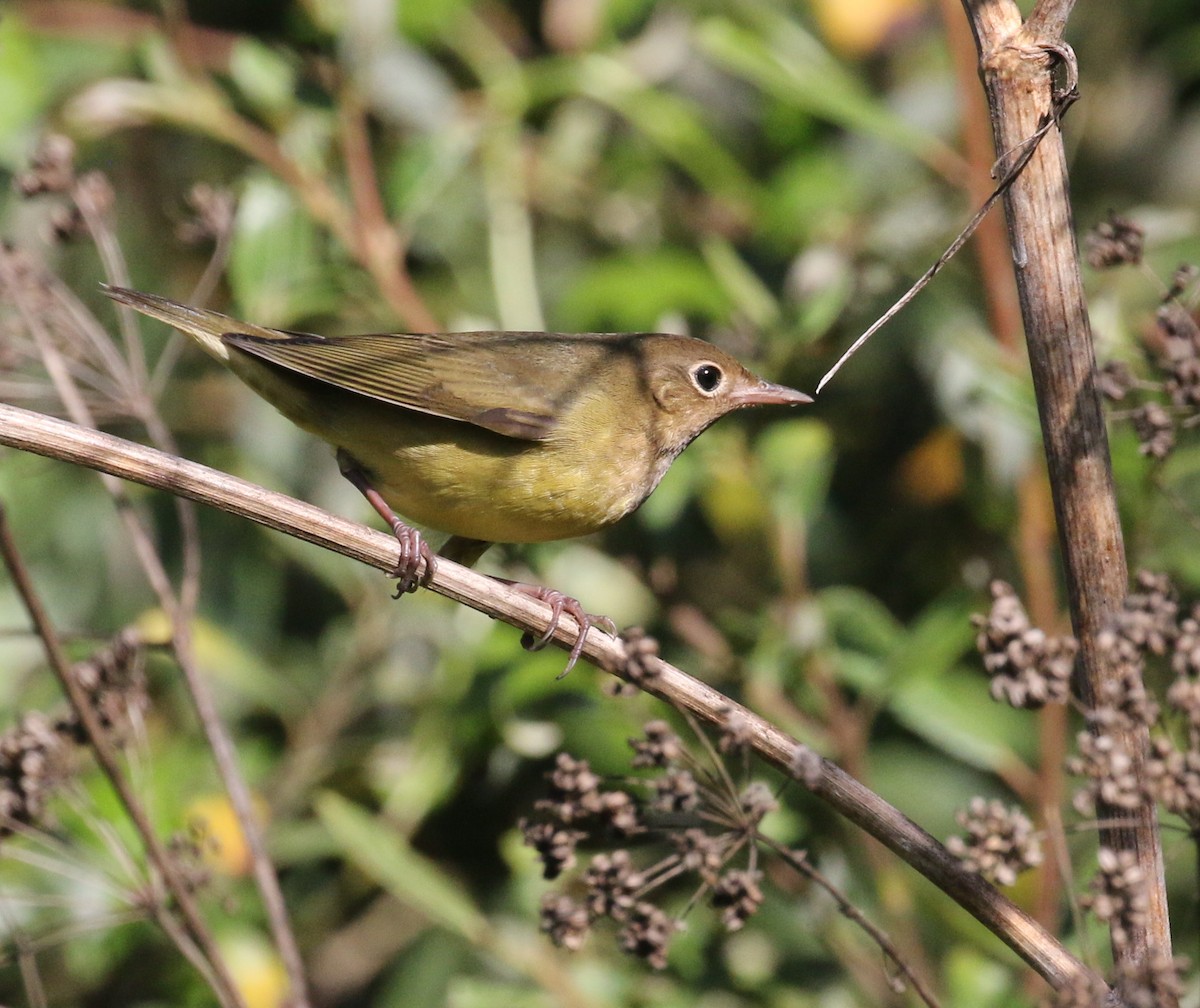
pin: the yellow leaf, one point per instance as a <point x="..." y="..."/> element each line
<point x="932" y="472"/>
<point x="858" y="29"/>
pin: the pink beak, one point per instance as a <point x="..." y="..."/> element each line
<point x="765" y="393"/>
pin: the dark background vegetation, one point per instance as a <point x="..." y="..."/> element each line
<point x="766" y="175"/>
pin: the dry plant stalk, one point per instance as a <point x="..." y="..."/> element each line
<point x="1018" y="62"/>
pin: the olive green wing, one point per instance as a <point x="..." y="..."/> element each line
<point x="516" y="384"/>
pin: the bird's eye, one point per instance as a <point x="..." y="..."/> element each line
<point x="707" y="377"/>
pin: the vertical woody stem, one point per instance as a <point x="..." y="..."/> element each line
<point x="1017" y="62"/>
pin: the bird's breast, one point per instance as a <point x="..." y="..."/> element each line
<point x="591" y="471"/>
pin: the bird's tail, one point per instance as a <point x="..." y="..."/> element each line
<point x="205" y="327"/>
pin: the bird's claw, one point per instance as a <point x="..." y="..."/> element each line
<point x="559" y="604"/>
<point x="414" y="554"/>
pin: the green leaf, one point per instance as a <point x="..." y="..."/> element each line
<point x="265" y="78"/>
<point x="784" y="60"/>
<point x="278" y="265"/>
<point x="613" y="294"/>
<point x="375" y="847"/>
<point x="22" y="89"/>
<point x="954" y="713"/>
<point x="674" y="124"/>
<point x="797" y="460"/>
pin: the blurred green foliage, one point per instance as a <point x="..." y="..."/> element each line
<point x="719" y="166"/>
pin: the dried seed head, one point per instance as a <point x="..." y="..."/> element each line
<point x="1148" y="618"/>
<point x="1153" y="982"/>
<point x="1155" y="430"/>
<point x="1173" y="777"/>
<point x="564" y="920"/>
<point x="1114" y="242"/>
<point x="1119" y="895"/>
<point x="51" y="169"/>
<point x="1110" y="772"/>
<point x="554" y="844"/>
<point x="1185" y="654"/>
<point x="700" y="853"/>
<point x="36" y="758"/>
<point x="647" y="933"/>
<point x="1124" y="701"/>
<point x="212" y="211"/>
<point x="756" y="802"/>
<point x="807" y="766"/>
<point x="574" y="790"/>
<point x="1114" y="379"/>
<point x="675" y="790"/>
<point x="660" y="747"/>
<point x="620" y="812"/>
<point x="1083" y="990"/>
<point x="612" y="885"/>
<point x="640" y="648"/>
<point x="738" y="896"/>
<point x="1000" y="842"/>
<point x="1027" y="668"/>
<point x="736" y="733"/>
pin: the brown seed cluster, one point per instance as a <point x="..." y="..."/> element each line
<point x="688" y="824"/>
<point x="37" y="755"/>
<point x="1028" y="668"/>
<point x="1117" y="241"/>
<point x="1000" y="842"/>
<point x="1119" y="894"/>
<point x="210" y="215"/>
<point x="1153" y="637"/>
<point x="1149" y="983"/>
<point x="640" y="650"/>
<point x="1165" y="402"/>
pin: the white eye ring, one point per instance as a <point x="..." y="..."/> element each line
<point x="707" y="377"/>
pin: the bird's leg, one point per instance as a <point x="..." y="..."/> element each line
<point x="559" y="604"/>
<point x="413" y="549"/>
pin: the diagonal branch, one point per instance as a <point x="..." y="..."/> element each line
<point x="43" y="435"/>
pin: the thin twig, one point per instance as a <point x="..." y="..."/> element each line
<point x="179" y="609"/>
<point x="1024" y="152"/>
<point x="47" y="436"/>
<point x="225" y="756"/>
<point x="806" y="868"/>
<point x="379" y="244"/>
<point x="106" y="755"/>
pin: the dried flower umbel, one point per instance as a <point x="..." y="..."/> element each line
<point x="1000" y="842"/>
<point x="37" y="756"/>
<point x="709" y="829"/>
<point x="1117" y="241"/>
<point x="1028" y="667"/>
<point x="1149" y="634"/>
<point x="1166" y="402"/>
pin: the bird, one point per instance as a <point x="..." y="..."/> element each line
<point x="490" y="436"/>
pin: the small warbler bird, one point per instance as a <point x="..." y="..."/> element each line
<point x="488" y="436"/>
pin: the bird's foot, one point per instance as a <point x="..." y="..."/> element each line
<point x="559" y="604"/>
<point x="414" y="551"/>
<point x="417" y="561"/>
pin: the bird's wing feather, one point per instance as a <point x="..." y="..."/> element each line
<point x="459" y="376"/>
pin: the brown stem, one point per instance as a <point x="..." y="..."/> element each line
<point x="106" y="755"/>
<point x="1017" y="68"/>
<point x="43" y="435"/>
<point x="1035" y="534"/>
<point x="379" y="245"/>
<point x="991" y="242"/>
